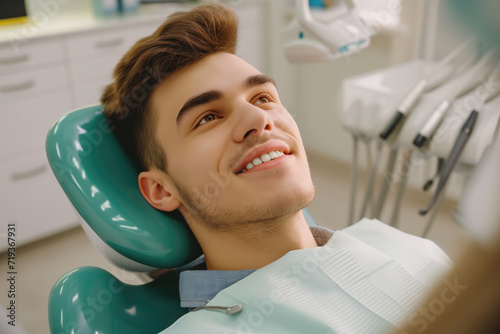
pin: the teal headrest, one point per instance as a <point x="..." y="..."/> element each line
<point x="101" y="182"/>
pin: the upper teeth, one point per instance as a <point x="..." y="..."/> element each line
<point x="263" y="158"/>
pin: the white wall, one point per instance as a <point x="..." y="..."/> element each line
<point x="58" y="7"/>
<point x="284" y="73"/>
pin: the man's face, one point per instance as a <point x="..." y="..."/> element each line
<point x="232" y="150"/>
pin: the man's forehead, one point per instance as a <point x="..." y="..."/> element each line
<point x="217" y="68"/>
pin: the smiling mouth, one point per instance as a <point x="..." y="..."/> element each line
<point x="262" y="160"/>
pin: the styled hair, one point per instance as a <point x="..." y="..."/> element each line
<point x="184" y="38"/>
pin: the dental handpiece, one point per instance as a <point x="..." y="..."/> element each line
<point x="405" y="105"/>
<point x="432" y="124"/>
<point x="416" y="91"/>
<point x="437" y="116"/>
<point x="460" y="142"/>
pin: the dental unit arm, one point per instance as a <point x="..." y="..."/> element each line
<point x="325" y="35"/>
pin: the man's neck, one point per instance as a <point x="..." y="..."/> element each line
<point x="255" y="249"/>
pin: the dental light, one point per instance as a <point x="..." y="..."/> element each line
<point x="329" y="34"/>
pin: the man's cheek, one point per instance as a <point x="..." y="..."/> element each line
<point x="285" y="122"/>
<point x="290" y="123"/>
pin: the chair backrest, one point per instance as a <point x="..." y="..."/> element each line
<point x="101" y="182"/>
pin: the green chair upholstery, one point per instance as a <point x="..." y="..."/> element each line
<point x="91" y="300"/>
<point x="91" y="167"/>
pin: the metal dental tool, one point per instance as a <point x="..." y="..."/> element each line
<point x="465" y="83"/>
<point x="427" y="82"/>
<point x="230" y="310"/>
<point x="461" y="140"/>
<point x="432" y="219"/>
<point x="430" y="182"/>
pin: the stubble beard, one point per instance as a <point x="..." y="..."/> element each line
<point x="250" y="221"/>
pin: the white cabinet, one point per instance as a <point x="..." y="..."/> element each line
<point x="86" y="94"/>
<point x="33" y="94"/>
<point x="107" y="42"/>
<point x="29" y="193"/>
<point x="93" y="56"/>
<point x="47" y="76"/>
<point x="20" y="57"/>
<point x="25" y="120"/>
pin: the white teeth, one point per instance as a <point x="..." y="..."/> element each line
<point x="271" y="155"/>
<point x="263" y="158"/>
<point x="256" y="161"/>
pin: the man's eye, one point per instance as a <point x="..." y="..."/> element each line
<point x="207" y="118"/>
<point x="263" y="99"/>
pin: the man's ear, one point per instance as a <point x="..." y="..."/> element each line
<point x="159" y="190"/>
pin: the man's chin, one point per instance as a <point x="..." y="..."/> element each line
<point x="284" y="205"/>
<point x="268" y="209"/>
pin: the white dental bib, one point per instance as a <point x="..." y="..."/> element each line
<point x="368" y="278"/>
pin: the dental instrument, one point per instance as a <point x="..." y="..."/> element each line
<point x="466" y="82"/>
<point x="432" y="219"/>
<point x="430" y="182"/>
<point x="461" y="141"/>
<point x="433" y="79"/>
<point x="230" y="310"/>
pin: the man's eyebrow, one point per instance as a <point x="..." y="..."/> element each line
<point x="257" y="80"/>
<point x="197" y="100"/>
<point x="213" y="95"/>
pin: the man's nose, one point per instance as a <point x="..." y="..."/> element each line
<point x="251" y="121"/>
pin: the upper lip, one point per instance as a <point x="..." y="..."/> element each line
<point x="258" y="151"/>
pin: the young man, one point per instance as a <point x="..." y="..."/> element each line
<point x="210" y="116"/>
<point x="214" y="142"/>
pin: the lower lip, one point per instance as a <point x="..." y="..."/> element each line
<point x="268" y="165"/>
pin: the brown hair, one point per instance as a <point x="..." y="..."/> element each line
<point x="184" y="38"/>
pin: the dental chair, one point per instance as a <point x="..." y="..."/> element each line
<point x="101" y="183"/>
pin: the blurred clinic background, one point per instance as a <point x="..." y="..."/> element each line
<point x="58" y="55"/>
